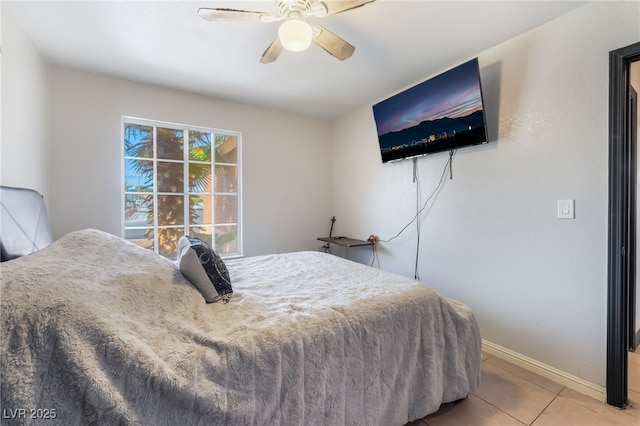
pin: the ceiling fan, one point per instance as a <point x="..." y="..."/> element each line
<point x="294" y="34"/>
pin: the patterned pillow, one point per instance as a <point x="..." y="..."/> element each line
<point x="202" y="266"/>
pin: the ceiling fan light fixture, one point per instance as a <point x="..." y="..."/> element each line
<point x="295" y="35"/>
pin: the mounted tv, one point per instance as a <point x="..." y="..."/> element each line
<point x="443" y="113"/>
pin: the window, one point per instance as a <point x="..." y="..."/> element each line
<point x="181" y="180"/>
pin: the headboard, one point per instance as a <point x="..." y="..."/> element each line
<point x="24" y="223"/>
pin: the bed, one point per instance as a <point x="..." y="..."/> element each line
<point x="96" y="330"/>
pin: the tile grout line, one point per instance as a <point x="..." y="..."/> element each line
<point x="526" y="378"/>
<point x="560" y="377"/>
<point x="557" y="394"/>
<point x="487" y="402"/>
<point x="547" y="406"/>
<point x="499" y="409"/>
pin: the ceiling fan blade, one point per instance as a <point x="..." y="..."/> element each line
<point x="332" y="43"/>
<point x="272" y="52"/>
<point x="334" y="6"/>
<point x="223" y="14"/>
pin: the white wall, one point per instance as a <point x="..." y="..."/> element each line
<point x="491" y="237"/>
<point x="24" y="147"/>
<point x="285" y="158"/>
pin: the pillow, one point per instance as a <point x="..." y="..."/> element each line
<point x="202" y="266"/>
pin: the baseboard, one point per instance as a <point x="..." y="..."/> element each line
<point x="551" y="373"/>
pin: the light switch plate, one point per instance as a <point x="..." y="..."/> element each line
<point x="566" y="209"/>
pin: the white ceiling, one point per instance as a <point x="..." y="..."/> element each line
<point x="398" y="43"/>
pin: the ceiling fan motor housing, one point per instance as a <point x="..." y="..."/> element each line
<point x="301" y="8"/>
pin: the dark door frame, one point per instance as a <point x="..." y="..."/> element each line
<point x="632" y="123"/>
<point x="618" y="292"/>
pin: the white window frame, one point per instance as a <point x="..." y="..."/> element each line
<point x="185" y="160"/>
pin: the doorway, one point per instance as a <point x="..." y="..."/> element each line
<point x="622" y="237"/>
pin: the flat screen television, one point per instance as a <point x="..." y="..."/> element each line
<point x="440" y="114"/>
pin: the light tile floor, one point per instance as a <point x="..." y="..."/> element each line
<point x="509" y="395"/>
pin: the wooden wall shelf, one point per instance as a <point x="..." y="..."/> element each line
<point x="345" y="241"/>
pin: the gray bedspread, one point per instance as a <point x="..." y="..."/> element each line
<point x="103" y="332"/>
